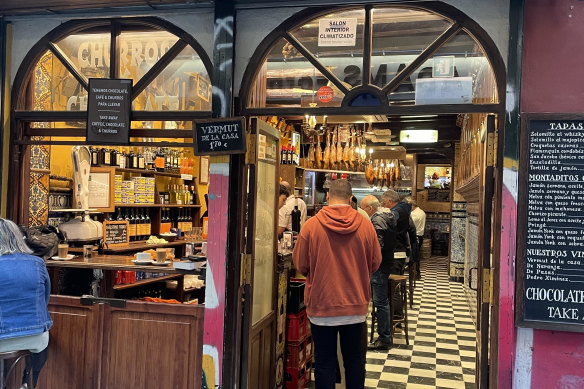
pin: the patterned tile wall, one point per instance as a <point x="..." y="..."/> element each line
<point x="471" y="258"/>
<point x="458" y="240"/>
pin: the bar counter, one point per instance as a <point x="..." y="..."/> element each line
<point x="113" y="262"/>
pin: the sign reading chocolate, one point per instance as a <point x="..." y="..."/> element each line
<point x="219" y="136"/>
<point x="108" y="111"/>
<point x="551" y="207"/>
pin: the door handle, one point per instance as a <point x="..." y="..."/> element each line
<point x="90" y="300"/>
<point x="470" y="278"/>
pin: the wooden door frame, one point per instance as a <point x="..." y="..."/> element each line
<point x="248" y="329"/>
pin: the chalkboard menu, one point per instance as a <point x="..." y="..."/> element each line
<point x="550" y="287"/>
<point x="219" y="136"/>
<point x="109" y="105"/>
<point x="115" y="233"/>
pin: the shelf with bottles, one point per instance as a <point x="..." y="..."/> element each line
<point x="163" y="161"/>
<point x="157" y="206"/>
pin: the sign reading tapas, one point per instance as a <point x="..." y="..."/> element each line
<point x="337" y="32"/>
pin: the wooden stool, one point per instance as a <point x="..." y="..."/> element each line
<point x="5" y="373"/>
<point x="398" y="289"/>
<point x="412" y="270"/>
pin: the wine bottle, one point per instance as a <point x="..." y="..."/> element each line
<point x="141" y="161"/>
<point x="159" y="160"/>
<point x="132" y="226"/>
<point x="132" y="160"/>
<point x="105" y="156"/>
<point x="147" y="224"/>
<point x="94" y="156"/>
<point x="295" y="214"/>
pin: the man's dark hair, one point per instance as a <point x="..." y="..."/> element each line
<point x="340" y="189"/>
<point x="284" y="190"/>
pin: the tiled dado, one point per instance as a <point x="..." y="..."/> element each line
<point x="457" y="240"/>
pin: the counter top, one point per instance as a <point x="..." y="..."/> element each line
<point x="113" y="262"/>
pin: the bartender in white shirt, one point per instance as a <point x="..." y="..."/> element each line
<point x="285" y="220"/>
<point x="419" y="218"/>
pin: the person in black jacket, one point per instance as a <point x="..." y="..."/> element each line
<point x="384" y="224"/>
<point x="401" y="212"/>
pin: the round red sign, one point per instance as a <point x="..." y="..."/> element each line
<point x="325" y="94"/>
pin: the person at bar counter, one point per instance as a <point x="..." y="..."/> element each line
<point x="419" y="218"/>
<point x="24" y="297"/>
<point x="337" y="251"/>
<point x="284" y="219"/>
<point x="384" y="224"/>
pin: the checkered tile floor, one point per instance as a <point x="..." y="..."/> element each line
<point x="441" y="353"/>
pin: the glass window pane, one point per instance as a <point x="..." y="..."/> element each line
<point x="344" y="61"/>
<point x="399" y="36"/>
<point x="458" y="73"/>
<point x="182" y="86"/>
<point x="55" y="88"/>
<point x="264" y="241"/>
<point x="290" y="80"/>
<point x="89" y="53"/>
<point x="140" y="50"/>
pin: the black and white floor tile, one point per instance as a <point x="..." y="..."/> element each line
<point x="441" y="353"/>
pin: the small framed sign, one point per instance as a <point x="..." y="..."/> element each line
<point x="115" y="233"/>
<point x="219" y="136"/>
<point x="203" y="88"/>
<point x="108" y="111"/>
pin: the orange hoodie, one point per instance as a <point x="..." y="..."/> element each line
<point x="337" y="251"/>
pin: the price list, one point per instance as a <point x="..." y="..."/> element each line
<point x="553" y="280"/>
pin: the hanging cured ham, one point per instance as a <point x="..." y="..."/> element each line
<point x="351" y="156"/>
<point x="339" y="150"/>
<point x="311" y="157"/>
<point x="370" y="174"/>
<point x="318" y="153"/>
<point x="333" y="153"/>
<point x="327" y="151"/>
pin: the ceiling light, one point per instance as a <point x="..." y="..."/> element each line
<point x="418" y="136"/>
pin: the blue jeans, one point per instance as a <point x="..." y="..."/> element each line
<point x="353" y="340"/>
<point x="380" y="290"/>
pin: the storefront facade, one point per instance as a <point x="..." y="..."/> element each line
<point x="531" y="47"/>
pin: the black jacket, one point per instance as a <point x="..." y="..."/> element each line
<point x="403" y="226"/>
<point x="385" y="226"/>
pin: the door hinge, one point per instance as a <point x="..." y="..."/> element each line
<point x="245" y="277"/>
<point x="250" y="153"/>
<point x="487" y="283"/>
<point x="491" y="148"/>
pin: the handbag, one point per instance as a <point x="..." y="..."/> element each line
<point x="42" y="240"/>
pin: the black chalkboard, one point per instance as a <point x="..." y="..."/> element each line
<point x="219" y="136"/>
<point x="550" y="279"/>
<point x="115" y="233"/>
<point x="109" y="105"/>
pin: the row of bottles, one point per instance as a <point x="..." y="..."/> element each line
<point x="287" y="155"/>
<point x="181" y="219"/>
<point x="178" y="194"/>
<point x="140" y="223"/>
<point x="160" y="159"/>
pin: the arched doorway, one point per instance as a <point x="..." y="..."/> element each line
<point x="171" y="87"/>
<point x="391" y="68"/>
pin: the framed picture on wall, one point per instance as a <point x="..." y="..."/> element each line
<point x="100" y="189"/>
<point x="204" y="171"/>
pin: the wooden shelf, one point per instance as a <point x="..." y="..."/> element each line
<point x="147" y="281"/>
<point x="150" y="172"/>
<point x="157" y="206"/>
<point x="142" y="245"/>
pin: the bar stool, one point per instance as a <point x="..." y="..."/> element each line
<point x="398" y="292"/>
<point x="412" y="270"/>
<point x="373" y="318"/>
<point x="5" y="358"/>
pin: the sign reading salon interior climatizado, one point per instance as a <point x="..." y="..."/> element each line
<point x="337" y="32"/>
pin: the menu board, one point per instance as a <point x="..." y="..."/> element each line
<point x="219" y="136"/>
<point x="551" y="241"/>
<point x="108" y="111"/>
<point x="115" y="233"/>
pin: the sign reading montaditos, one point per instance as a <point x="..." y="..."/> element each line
<point x="108" y="111"/>
<point x="219" y="136"/>
<point x="552" y="279"/>
<point x="337" y="32"/>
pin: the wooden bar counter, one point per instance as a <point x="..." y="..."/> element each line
<point x="115" y="343"/>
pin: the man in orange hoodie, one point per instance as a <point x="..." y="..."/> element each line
<point x="337" y="251"/>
